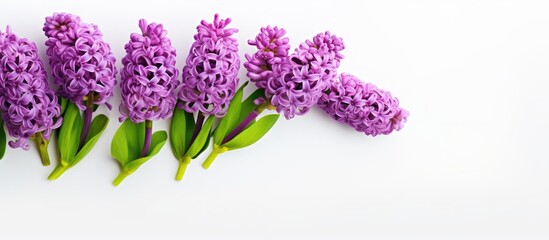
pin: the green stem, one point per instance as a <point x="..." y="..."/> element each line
<point x="42" y="148"/>
<point x="121" y="176"/>
<point x="182" y="167"/>
<point x="210" y="159"/>
<point x="58" y="171"/>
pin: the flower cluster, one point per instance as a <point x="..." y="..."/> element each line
<point x="323" y="56"/>
<point x="363" y="106"/>
<point x="149" y="76"/>
<point x="27" y="103"/>
<point x="294" y="83"/>
<point x="272" y="48"/>
<point x="210" y="73"/>
<point x="82" y="63"/>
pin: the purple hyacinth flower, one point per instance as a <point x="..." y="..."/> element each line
<point x="272" y="48"/>
<point x="293" y="89"/>
<point x="82" y="63"/>
<point x="363" y="106"/>
<point x="149" y="76"/>
<point x="29" y="106"/>
<point x="323" y="55"/>
<point x="210" y="73"/>
<point x="293" y="83"/>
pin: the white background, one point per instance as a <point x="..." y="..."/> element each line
<point x="471" y="163"/>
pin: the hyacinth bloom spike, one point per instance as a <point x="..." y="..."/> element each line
<point x="363" y="106"/>
<point x="149" y="76"/>
<point x="148" y="82"/>
<point x="210" y="72"/>
<point x="82" y="62"/>
<point x="272" y="48"/>
<point x="209" y="83"/>
<point x="292" y="83"/>
<point x="300" y="78"/>
<point x="83" y="67"/>
<point x="30" y="108"/>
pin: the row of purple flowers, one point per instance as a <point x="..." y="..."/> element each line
<point x="83" y="68"/>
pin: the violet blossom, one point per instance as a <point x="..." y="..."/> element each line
<point x="82" y="62"/>
<point x="294" y="83"/>
<point x="272" y="48"/>
<point x="149" y="76"/>
<point x="210" y="74"/>
<point x="363" y="106"/>
<point x="29" y="106"/>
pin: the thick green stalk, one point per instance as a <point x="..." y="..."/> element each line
<point x="121" y="176"/>
<point x="215" y="152"/>
<point x="58" y="171"/>
<point x="183" y="163"/>
<point x="42" y="148"/>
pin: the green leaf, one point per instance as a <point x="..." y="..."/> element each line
<point x="201" y="138"/>
<point x="181" y="129"/>
<point x="2" y="138"/>
<point x="253" y="133"/>
<point x="205" y="145"/>
<point x="177" y="133"/>
<point x="189" y="129"/>
<point x="127" y="142"/>
<point x="69" y="133"/>
<point x="158" y="140"/>
<point x="97" y="127"/>
<point x="230" y="121"/>
<point x="248" y="105"/>
<point x="63" y="104"/>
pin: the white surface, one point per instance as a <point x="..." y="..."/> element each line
<point x="471" y="163"/>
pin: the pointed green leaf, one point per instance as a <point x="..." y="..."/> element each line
<point x="253" y="133"/>
<point x="206" y="144"/>
<point x="136" y="139"/>
<point x="128" y="141"/>
<point x="119" y="145"/>
<point x="189" y="129"/>
<point x="97" y="127"/>
<point x="230" y="121"/>
<point x="248" y="105"/>
<point x="63" y="104"/>
<point x="177" y="133"/>
<point x="157" y="142"/>
<point x="69" y="133"/>
<point x="181" y="129"/>
<point x="200" y="139"/>
<point x="2" y="138"/>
